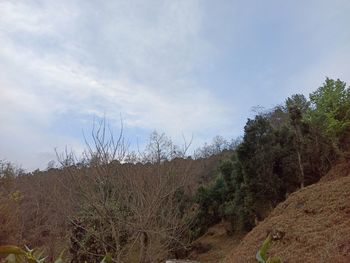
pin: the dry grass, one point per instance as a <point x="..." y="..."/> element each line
<point x="342" y="169"/>
<point x="214" y="245"/>
<point x="315" y="222"/>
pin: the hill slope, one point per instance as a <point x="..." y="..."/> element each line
<point x="214" y="245"/>
<point x="314" y="225"/>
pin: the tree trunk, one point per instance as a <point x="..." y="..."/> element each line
<point x="302" y="176"/>
<point x="298" y="137"/>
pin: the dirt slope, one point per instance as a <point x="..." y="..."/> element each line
<point x="314" y="223"/>
<point x="214" y="245"/>
<point x="342" y="169"/>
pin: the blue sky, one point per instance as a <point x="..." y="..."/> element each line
<point x="180" y="67"/>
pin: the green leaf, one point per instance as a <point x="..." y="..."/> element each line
<point x="261" y="255"/>
<point x="107" y="258"/>
<point x="265" y="246"/>
<point x="11" y="258"/>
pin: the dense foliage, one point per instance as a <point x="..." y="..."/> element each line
<point x="282" y="149"/>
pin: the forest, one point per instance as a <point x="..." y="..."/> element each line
<point x="150" y="205"/>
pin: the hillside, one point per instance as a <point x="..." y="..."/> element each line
<point x="34" y="207"/>
<point x="214" y="245"/>
<point x="150" y="205"/>
<point x="313" y="225"/>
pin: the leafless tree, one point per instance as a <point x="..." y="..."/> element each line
<point x="128" y="207"/>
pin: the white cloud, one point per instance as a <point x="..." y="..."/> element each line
<point x="112" y="59"/>
<point x="145" y="60"/>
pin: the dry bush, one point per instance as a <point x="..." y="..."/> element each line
<point x="122" y="208"/>
<point x="135" y="205"/>
<point x="10" y="201"/>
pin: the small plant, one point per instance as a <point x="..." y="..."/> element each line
<point x="261" y="255"/>
<point x="18" y="255"/>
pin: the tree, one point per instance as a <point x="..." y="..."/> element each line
<point x="211" y="204"/>
<point x="330" y="112"/>
<point x="297" y="106"/>
<point x="254" y="177"/>
<point x="10" y="220"/>
<point x="121" y="206"/>
<point x="226" y="168"/>
<point x="217" y="145"/>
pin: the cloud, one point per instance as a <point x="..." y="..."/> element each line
<point x="109" y="58"/>
<point x="186" y="66"/>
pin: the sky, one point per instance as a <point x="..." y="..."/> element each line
<point x="182" y="67"/>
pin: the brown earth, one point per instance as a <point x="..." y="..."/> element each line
<point x="342" y="169"/>
<point x="314" y="224"/>
<point x="214" y="245"/>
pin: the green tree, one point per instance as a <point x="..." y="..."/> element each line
<point x="297" y="106"/>
<point x="255" y="180"/>
<point x="331" y="109"/>
<point x="226" y="168"/>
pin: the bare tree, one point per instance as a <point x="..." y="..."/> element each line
<point x="217" y="146"/>
<point x="158" y="221"/>
<point x="124" y="207"/>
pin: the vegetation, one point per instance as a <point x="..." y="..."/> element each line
<point x="261" y="255"/>
<point x="147" y="206"/>
<point x="282" y="149"/>
<point x="18" y="255"/>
